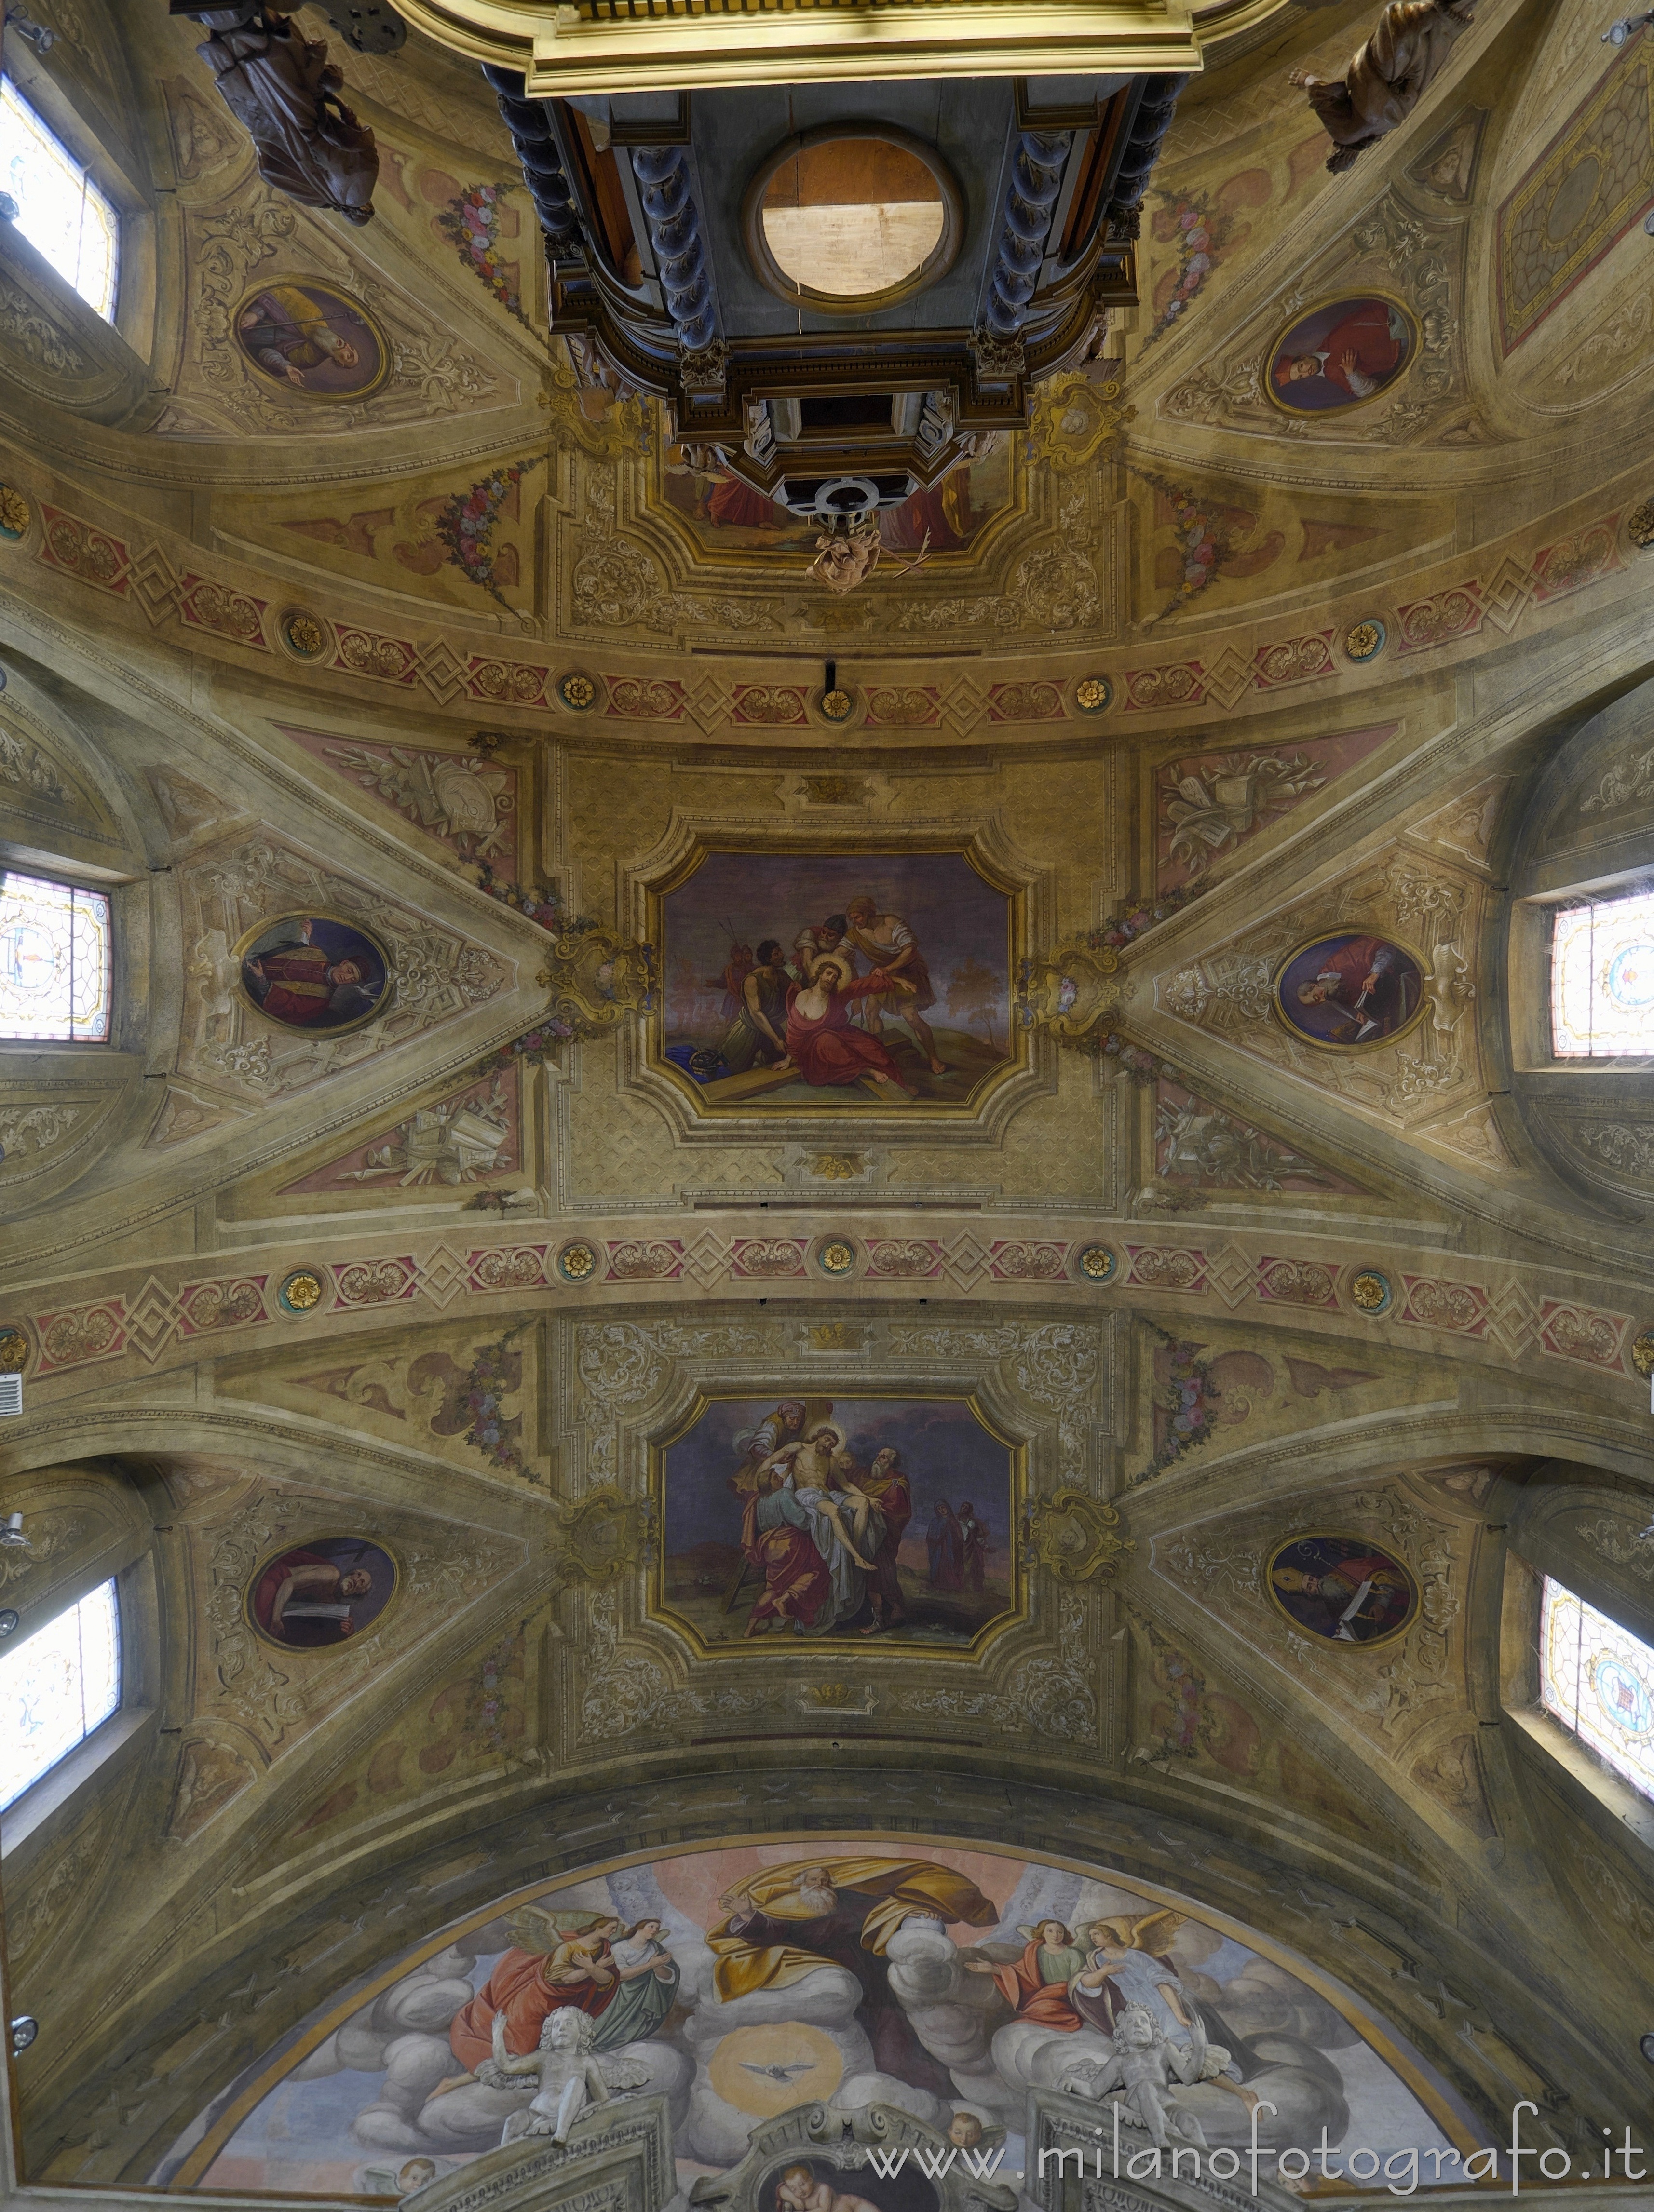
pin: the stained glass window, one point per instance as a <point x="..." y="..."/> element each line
<point x="56" y="1686"/>
<point x="1602" y="978"/>
<point x="60" y="210"/>
<point x="1599" y="1677"/>
<point x="54" y="960"/>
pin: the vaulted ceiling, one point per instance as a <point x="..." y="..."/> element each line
<point x="476" y="660"/>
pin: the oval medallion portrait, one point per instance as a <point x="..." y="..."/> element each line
<point x="311" y="338"/>
<point x="1340" y="353"/>
<point x="314" y="971"/>
<point x="1347" y="1589"/>
<point x="321" y="1592"/>
<point x="1348" y="990"/>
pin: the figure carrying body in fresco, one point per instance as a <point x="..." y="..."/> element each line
<point x="1387" y="75"/>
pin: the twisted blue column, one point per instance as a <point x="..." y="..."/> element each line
<point x="673" y="222"/>
<point x="1030" y="201"/>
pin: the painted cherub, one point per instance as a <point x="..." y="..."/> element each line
<point x="571" y="2075"/>
<point x="1144" y="2068"/>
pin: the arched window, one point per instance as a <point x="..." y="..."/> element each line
<point x="54" y="960"/>
<point x="60" y="208"/>
<point x="56" y="1686"/>
<point x="1603" y="979"/>
<point x="1598" y="1680"/>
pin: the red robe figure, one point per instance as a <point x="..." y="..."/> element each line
<point x="302" y="985"/>
<point x="1357" y="357"/>
<point x="528" y="1988"/>
<point x="1037" y="1983"/>
<point x="824" y="1047"/>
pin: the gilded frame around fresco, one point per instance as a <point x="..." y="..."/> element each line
<point x="362" y="314"/>
<point x="255" y="2086"/>
<point x="1343" y="1536"/>
<point x="268" y="1558"/>
<point x="1328" y="299"/>
<point x="249" y="938"/>
<point x="813" y="1649"/>
<point x="1328" y="1044"/>
<point x="887" y="844"/>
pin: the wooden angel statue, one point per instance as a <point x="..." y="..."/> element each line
<point x="282" y="90"/>
<point x="1387" y="75"/>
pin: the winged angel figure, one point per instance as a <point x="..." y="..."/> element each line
<point x="571" y="2075"/>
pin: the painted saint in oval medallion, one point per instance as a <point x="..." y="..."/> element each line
<point x="310" y="337"/>
<point x="321" y="1592"/>
<point x="1347" y="1589"/>
<point x="1348" y="990"/>
<point x="1340" y="353"/>
<point x="314" y="971"/>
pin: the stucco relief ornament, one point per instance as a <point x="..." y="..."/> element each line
<point x="596" y="979"/>
<point x="1074" y="1536"/>
<point x="1068" y="991"/>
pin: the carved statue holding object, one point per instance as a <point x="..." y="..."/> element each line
<point x="1388" y="74"/>
<point x="284" y="90"/>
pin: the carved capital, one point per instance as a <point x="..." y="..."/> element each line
<point x="605" y="1537"/>
<point x="1074" y="1536"/>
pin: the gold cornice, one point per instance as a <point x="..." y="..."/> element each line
<point x="583" y="47"/>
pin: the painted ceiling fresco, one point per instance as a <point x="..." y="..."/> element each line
<point x="911" y="1270"/>
<point x="743" y="1982"/>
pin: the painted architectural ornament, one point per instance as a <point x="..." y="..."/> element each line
<point x="310" y="337"/>
<point x="314" y="971"/>
<point x="1340" y="353"/>
<point x="321" y="1593"/>
<point x="1347" y="991"/>
<point x="893" y="1517"/>
<point x="1345" y="1589"/>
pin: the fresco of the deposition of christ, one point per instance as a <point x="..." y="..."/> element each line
<point x="804" y="982"/>
<point x="875" y="1521"/>
<point x="742" y="1982"/>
